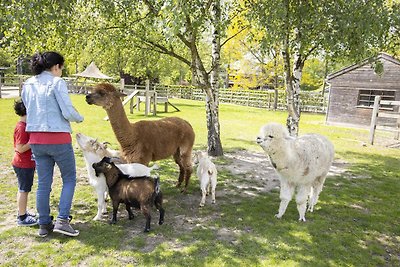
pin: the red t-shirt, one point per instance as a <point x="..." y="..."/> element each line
<point x="50" y="138"/>
<point x="22" y="160"/>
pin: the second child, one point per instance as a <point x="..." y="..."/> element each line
<point x="24" y="167"/>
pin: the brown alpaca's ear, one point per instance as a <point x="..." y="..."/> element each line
<point x="119" y="94"/>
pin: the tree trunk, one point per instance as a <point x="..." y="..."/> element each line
<point x="212" y="103"/>
<point x="325" y="76"/>
<point x="293" y="79"/>
<point x="214" y="146"/>
<point x="275" y="81"/>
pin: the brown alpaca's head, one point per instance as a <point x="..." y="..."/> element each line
<point x="104" y="95"/>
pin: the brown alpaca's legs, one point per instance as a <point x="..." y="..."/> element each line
<point x="186" y="160"/>
<point x="188" y="173"/>
<point x="178" y="160"/>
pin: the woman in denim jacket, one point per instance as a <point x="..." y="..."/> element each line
<point x="49" y="113"/>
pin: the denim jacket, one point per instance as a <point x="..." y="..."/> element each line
<point x="48" y="106"/>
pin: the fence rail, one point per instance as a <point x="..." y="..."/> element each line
<point x="310" y="101"/>
<point x="11" y="84"/>
<point x="390" y="121"/>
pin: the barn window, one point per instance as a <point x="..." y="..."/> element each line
<point x="366" y="97"/>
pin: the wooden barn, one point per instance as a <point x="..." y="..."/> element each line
<point x="353" y="90"/>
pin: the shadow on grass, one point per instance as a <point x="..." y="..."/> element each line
<point x="355" y="223"/>
<point x="346" y="228"/>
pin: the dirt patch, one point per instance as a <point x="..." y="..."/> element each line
<point x="258" y="172"/>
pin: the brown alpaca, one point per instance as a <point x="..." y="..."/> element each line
<point x="146" y="141"/>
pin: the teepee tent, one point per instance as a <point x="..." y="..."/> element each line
<point x="92" y="72"/>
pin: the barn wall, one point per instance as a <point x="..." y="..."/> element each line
<point x="345" y="88"/>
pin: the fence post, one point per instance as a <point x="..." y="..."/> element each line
<point x="147" y="98"/>
<point x="21" y="81"/>
<point x="373" y="119"/>
<point x="0" y="86"/>
<point x="122" y="84"/>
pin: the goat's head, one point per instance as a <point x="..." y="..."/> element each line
<point x="90" y="144"/>
<point x="198" y="155"/>
<point x="103" y="166"/>
<point x="271" y="133"/>
<point x="104" y="95"/>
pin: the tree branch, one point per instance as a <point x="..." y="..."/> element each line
<point x="233" y="36"/>
<point x="151" y="7"/>
<point x="163" y="50"/>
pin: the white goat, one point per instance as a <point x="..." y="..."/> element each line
<point x="207" y="174"/>
<point x="136" y="169"/>
<point x="301" y="163"/>
<point x="94" y="151"/>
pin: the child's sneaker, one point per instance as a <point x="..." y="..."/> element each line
<point x="62" y="226"/>
<point x="29" y="213"/>
<point x="45" y="229"/>
<point x="28" y="221"/>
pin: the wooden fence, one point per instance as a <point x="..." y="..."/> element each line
<point x="386" y="117"/>
<point x="11" y="86"/>
<point x="310" y="101"/>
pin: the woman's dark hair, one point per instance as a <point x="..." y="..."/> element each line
<point x="44" y="61"/>
<point x="19" y="108"/>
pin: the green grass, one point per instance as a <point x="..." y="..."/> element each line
<point x="356" y="222"/>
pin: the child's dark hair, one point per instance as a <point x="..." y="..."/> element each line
<point x="44" y="61"/>
<point x="19" y="108"/>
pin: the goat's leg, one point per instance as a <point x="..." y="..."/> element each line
<point x="146" y="212"/>
<point x="115" y="210"/>
<point x="301" y="200"/>
<point x="128" y="208"/>
<point x="213" y="186"/>
<point x="101" y="204"/>
<point x="158" y="203"/>
<point x="203" y="196"/>
<point x="286" y="195"/>
<point x="316" y="189"/>
<point x="104" y="209"/>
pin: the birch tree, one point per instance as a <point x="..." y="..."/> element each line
<point x="186" y="24"/>
<point x="305" y="28"/>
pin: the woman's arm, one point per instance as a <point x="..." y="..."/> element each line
<point x="67" y="109"/>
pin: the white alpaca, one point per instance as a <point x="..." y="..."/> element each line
<point x="207" y="174"/>
<point x="302" y="163"/>
<point x="93" y="152"/>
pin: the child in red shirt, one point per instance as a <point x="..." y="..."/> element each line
<point x="24" y="166"/>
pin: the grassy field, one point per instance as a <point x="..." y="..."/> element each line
<point x="356" y="222"/>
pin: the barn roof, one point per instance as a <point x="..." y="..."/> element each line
<point x="92" y="71"/>
<point x="381" y="55"/>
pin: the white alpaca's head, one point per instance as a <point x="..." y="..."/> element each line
<point x="271" y="135"/>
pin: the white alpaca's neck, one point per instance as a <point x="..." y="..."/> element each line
<point x="283" y="154"/>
